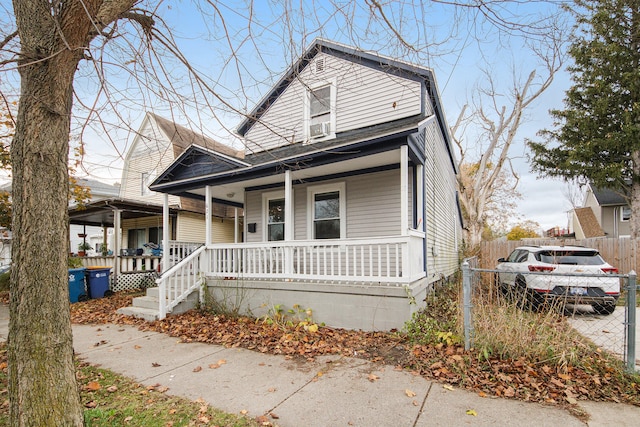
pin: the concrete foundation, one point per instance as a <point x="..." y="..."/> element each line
<point x="368" y="307"/>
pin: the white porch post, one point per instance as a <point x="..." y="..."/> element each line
<point x="207" y="213"/>
<point x="404" y="210"/>
<point x="288" y="222"/>
<point x="404" y="190"/>
<point x="420" y="197"/>
<point x="162" y="290"/>
<point x="235" y="228"/>
<point x="116" y="244"/>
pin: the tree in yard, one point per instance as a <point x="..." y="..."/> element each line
<point x="53" y="39"/>
<point x="596" y="137"/>
<point x="524" y="230"/>
<point x="55" y="42"/>
<point x="487" y="182"/>
<point x="79" y="194"/>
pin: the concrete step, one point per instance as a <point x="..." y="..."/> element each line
<point x="146" y="302"/>
<point x="147" y="307"/>
<point x="147" y="314"/>
<point x="153" y="292"/>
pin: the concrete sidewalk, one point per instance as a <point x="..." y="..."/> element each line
<point x="331" y="391"/>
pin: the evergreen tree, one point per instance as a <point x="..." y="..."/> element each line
<point x="596" y="135"/>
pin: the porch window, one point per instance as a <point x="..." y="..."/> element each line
<point x="137" y="237"/>
<point x="275" y="220"/>
<point x="327" y="212"/>
<point x="326" y="221"/>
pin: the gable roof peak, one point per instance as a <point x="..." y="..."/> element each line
<point x="337" y="49"/>
<point x="182" y="137"/>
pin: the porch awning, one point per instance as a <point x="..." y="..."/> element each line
<point x="362" y="149"/>
<point x="101" y="212"/>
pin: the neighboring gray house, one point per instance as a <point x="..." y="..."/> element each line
<point x="611" y="211"/>
<point x="348" y="189"/>
<point x="136" y="212"/>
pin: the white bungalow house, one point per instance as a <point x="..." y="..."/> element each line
<point x="348" y="191"/>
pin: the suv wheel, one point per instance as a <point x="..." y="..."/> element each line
<point x="604" y="309"/>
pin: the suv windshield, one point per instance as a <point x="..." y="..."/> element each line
<point x="570" y="257"/>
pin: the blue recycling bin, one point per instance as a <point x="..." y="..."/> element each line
<point x="77" y="289"/>
<point x="98" y="281"/>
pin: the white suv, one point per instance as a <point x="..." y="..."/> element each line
<point x="564" y="274"/>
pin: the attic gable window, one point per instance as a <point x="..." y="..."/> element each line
<point x="320" y="111"/>
<point x="146" y="180"/>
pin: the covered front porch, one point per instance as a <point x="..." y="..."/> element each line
<point x="360" y="280"/>
<point x="371" y="284"/>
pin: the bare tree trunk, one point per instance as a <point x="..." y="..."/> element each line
<point x="41" y="368"/>
<point x="42" y="383"/>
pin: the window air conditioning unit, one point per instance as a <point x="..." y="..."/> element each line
<point x="319" y="130"/>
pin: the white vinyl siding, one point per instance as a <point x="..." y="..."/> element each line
<point x="253" y="215"/>
<point x="364" y="97"/>
<point x="151" y="153"/>
<point x="372" y="207"/>
<point x="191" y="228"/>
<point x="443" y="226"/>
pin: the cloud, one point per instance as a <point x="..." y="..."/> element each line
<point x="543" y="201"/>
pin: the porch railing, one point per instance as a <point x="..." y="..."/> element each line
<point x="384" y="259"/>
<point x="128" y="264"/>
<point x="177" y="283"/>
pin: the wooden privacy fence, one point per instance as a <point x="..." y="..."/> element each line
<point x="621" y="253"/>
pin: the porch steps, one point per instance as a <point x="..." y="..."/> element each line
<point x="147" y="307"/>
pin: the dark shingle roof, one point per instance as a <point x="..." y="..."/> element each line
<point x="181" y="138"/>
<point x="608" y="197"/>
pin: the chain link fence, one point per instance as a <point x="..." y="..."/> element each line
<point x="615" y="332"/>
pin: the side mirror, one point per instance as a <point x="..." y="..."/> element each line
<point x="502" y="260"/>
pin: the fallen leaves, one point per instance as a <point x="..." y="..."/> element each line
<point x="449" y="364"/>
<point x="93" y="386"/>
<point x="218" y="364"/>
<point x="410" y="393"/>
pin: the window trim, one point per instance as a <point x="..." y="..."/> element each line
<point x="146" y="180"/>
<point x="266" y="198"/>
<point x="332" y="84"/>
<point x="339" y="187"/>
<point x="622" y="210"/>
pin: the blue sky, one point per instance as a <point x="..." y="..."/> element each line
<point x="242" y="50"/>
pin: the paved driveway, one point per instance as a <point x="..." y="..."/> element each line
<point x="607" y="332"/>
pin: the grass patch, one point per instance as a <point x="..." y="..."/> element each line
<point x="508" y="332"/>
<point x="114" y="400"/>
<point x="439" y="321"/>
<point x="503" y="331"/>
